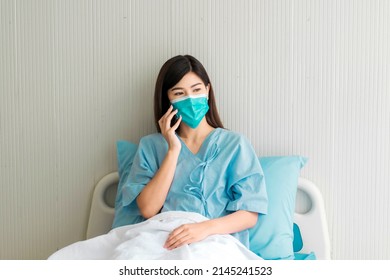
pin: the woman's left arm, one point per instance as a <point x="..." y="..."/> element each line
<point x="190" y="233"/>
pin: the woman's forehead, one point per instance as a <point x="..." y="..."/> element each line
<point x="189" y="80"/>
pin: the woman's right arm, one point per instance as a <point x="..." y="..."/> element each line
<point x="151" y="199"/>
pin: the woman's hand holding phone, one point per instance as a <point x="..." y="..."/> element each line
<point x="168" y="131"/>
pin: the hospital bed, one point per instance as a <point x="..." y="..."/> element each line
<point x="311" y="237"/>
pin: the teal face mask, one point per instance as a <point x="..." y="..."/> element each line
<point x="192" y="108"/>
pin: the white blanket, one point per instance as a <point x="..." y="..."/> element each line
<point x="144" y="241"/>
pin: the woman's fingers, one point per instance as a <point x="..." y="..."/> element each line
<point x="163" y="118"/>
<point x="186" y="234"/>
<point x="176" y="125"/>
<point x="180" y="242"/>
<point x="171" y="115"/>
<point x="165" y="121"/>
<point x="168" y="111"/>
<point x="177" y="238"/>
<point x="167" y="131"/>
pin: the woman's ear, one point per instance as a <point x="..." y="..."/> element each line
<point x="208" y="90"/>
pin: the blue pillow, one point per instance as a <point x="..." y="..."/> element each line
<point x="302" y="256"/>
<point x="298" y="245"/>
<point x="125" y="155"/>
<point x="298" y="242"/>
<point x="272" y="237"/>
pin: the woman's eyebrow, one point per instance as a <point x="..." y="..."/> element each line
<point x="196" y="85"/>
<point x="176" y="88"/>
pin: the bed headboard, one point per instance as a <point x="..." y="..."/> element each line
<point x="312" y="222"/>
<point x="102" y="211"/>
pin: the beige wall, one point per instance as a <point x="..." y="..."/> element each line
<point x="305" y="77"/>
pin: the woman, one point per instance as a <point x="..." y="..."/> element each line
<point x="192" y="181"/>
<point x="193" y="164"/>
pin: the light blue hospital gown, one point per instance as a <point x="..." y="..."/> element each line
<point x="223" y="177"/>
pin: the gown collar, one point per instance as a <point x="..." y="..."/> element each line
<point x="204" y="147"/>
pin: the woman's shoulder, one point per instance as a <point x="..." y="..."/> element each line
<point x="151" y="139"/>
<point x="232" y="136"/>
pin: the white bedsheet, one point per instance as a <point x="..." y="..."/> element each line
<point x="144" y="241"/>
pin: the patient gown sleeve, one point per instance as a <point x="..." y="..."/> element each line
<point x="246" y="180"/>
<point x="145" y="165"/>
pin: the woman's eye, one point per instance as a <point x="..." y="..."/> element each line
<point x="197" y="89"/>
<point x="178" y="93"/>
